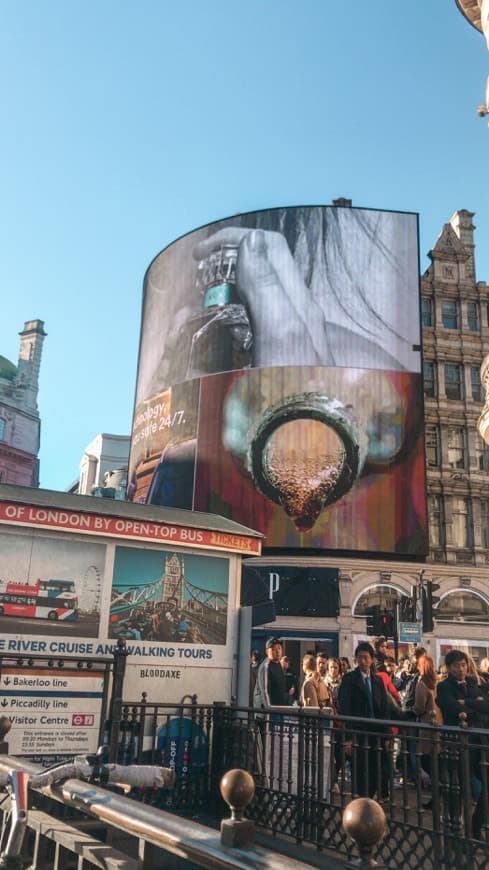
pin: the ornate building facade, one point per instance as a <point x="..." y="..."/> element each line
<point x="20" y="423"/>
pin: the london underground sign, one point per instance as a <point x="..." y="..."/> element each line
<point x="52" y="712"/>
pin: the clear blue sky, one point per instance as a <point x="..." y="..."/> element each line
<point x="137" y="567"/>
<point x="127" y="124"/>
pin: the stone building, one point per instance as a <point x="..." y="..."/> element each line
<point x="455" y="309"/>
<point x="103" y="467"/>
<point x="20" y="423"/>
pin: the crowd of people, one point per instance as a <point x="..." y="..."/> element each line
<point x="378" y="688"/>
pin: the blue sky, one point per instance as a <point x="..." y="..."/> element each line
<point x="138" y="566"/>
<point x="125" y="125"/>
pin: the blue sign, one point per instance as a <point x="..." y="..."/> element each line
<point x="184" y="747"/>
<point x="410" y="632"/>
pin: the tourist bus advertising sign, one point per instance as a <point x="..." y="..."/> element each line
<point x="52" y="712"/>
<point x="410" y="632"/>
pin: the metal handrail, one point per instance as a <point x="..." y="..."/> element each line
<point x="188" y="840"/>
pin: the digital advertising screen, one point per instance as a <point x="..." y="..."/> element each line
<point x="279" y="379"/>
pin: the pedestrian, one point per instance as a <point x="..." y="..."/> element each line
<point x="426" y="711"/>
<point x="408" y="695"/>
<point x="314" y="691"/>
<point x="256" y="658"/>
<point x="410" y="687"/>
<point x="460" y="699"/>
<point x="460" y="692"/>
<point x="345" y="665"/>
<point x="381" y="671"/>
<point x="403" y="675"/>
<point x="322" y="665"/>
<point x="270" y="679"/>
<point x="333" y="680"/>
<point x="291" y="682"/>
<point x="380" y="646"/>
<point x="484" y="669"/>
<point x="362" y="694"/>
<point x="392" y="669"/>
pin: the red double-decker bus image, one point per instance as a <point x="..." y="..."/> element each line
<point x="39" y="601"/>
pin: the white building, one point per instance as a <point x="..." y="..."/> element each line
<point x="103" y="466"/>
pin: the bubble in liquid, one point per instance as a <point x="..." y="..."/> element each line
<point x="303" y="460"/>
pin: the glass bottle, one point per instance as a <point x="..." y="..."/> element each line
<point x="305" y="453"/>
<point x="219" y="338"/>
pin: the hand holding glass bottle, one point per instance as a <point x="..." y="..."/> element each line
<point x="289" y="326"/>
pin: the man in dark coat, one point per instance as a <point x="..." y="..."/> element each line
<point x="363" y="694"/>
<point x="461" y="693"/>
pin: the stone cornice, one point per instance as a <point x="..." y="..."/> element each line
<point x="7" y="451"/>
<point x="471" y="9"/>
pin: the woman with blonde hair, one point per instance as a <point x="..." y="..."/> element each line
<point x="315" y="692"/>
<point x="473" y="670"/>
<point x="484" y="670"/>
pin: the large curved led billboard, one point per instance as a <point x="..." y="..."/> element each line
<point x="279" y="378"/>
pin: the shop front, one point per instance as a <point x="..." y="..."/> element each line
<point x="306" y="602"/>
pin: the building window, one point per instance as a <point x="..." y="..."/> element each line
<point x="485" y="524"/>
<point x="475" y="384"/>
<point x="462" y="529"/>
<point x="427" y="312"/>
<point x="482" y="452"/>
<point x="461" y="606"/>
<point x="449" y="314"/>
<point x="429" y="376"/>
<point x="435" y="521"/>
<point x="383" y="596"/>
<point x="473" y="320"/>
<point x="432" y="441"/>
<point x="2" y="429"/>
<point x="448" y="272"/>
<point x="456" y="448"/>
<point x="453" y="381"/>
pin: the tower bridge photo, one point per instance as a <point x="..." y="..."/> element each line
<point x="170" y="607"/>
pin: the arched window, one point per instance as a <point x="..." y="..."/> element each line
<point x="462" y="606"/>
<point x="385" y="596"/>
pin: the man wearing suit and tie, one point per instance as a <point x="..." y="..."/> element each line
<point x="362" y="694"/>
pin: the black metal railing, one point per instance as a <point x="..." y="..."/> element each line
<point x="432" y="781"/>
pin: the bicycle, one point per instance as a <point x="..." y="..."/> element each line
<point x="89" y="768"/>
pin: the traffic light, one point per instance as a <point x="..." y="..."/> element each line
<point x="373" y="620"/>
<point x="387" y="624"/>
<point x="429" y="603"/>
<point x="407" y="609"/>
